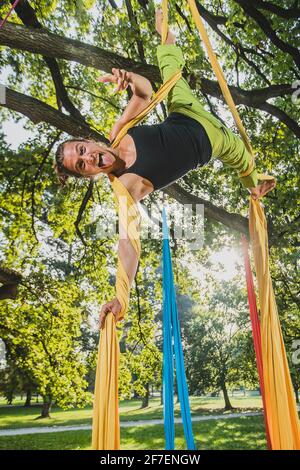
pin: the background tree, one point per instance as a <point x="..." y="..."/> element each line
<point x="14" y="381"/>
<point x="41" y="336"/>
<point x="217" y="344"/>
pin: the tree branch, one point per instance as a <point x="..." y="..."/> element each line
<point x="43" y="42"/>
<point x="10" y="280"/>
<point x="214" y="21"/>
<point x="37" y="112"/>
<point x="9" y="276"/>
<point x="266" y="27"/>
<point x="113" y="4"/>
<point x="232" y="221"/>
<point x="38" y="173"/>
<point x="135" y="27"/>
<point x="27" y="14"/>
<point x="257" y="99"/>
<point x="282" y="116"/>
<point x="81" y="210"/>
<point x="289" y="13"/>
<point x="99" y="97"/>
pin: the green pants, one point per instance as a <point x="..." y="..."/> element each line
<point x="226" y="146"/>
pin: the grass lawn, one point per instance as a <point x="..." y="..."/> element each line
<point x="246" y="433"/>
<point x="12" y="417"/>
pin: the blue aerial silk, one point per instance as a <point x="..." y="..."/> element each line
<point x="172" y="341"/>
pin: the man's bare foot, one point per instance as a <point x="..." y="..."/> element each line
<point x="262" y="189"/>
<point x="171" y="39"/>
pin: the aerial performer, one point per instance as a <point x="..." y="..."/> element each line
<point x="151" y="157"/>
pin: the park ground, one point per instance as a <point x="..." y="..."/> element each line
<point x="246" y="432"/>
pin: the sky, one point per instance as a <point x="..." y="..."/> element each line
<point x="226" y="264"/>
<point x="15" y="132"/>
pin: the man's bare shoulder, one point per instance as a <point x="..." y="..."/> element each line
<point x="137" y="186"/>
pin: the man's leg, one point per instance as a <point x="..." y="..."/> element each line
<point x="233" y="153"/>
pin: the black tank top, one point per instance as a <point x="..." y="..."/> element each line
<point x="167" y="151"/>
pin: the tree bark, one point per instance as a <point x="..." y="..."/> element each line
<point x="9" y="276"/>
<point x="228" y="405"/>
<point x="47" y="403"/>
<point x="41" y="41"/>
<point x="10" y="280"/>
<point x="46" y="410"/>
<point x="145" y="399"/>
<point x="28" y="398"/>
<point x="8" y="291"/>
<point x="28" y="16"/>
<point x="288" y="13"/>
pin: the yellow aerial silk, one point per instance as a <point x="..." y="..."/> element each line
<point x="281" y="407"/>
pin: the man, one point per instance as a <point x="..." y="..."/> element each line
<point x="149" y="158"/>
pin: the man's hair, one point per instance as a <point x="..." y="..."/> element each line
<point x="62" y="172"/>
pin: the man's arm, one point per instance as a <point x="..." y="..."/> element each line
<point x="127" y="254"/>
<point x="129" y="259"/>
<point x="142" y="91"/>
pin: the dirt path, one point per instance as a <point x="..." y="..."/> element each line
<point x="124" y="424"/>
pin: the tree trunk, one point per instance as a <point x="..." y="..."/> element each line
<point x="28" y="398"/>
<point x="228" y="405"/>
<point x="8" y="291"/>
<point x="46" y="409"/>
<point x="145" y="399"/>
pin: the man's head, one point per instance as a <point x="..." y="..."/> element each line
<point x="83" y="159"/>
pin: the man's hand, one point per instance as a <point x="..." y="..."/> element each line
<point x="140" y="86"/>
<point x="120" y="77"/>
<point x="262" y="189"/>
<point x="113" y="306"/>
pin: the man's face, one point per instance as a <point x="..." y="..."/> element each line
<point x="88" y="158"/>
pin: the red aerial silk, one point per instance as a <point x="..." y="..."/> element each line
<point x="255" y="330"/>
<point x="9" y="13"/>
